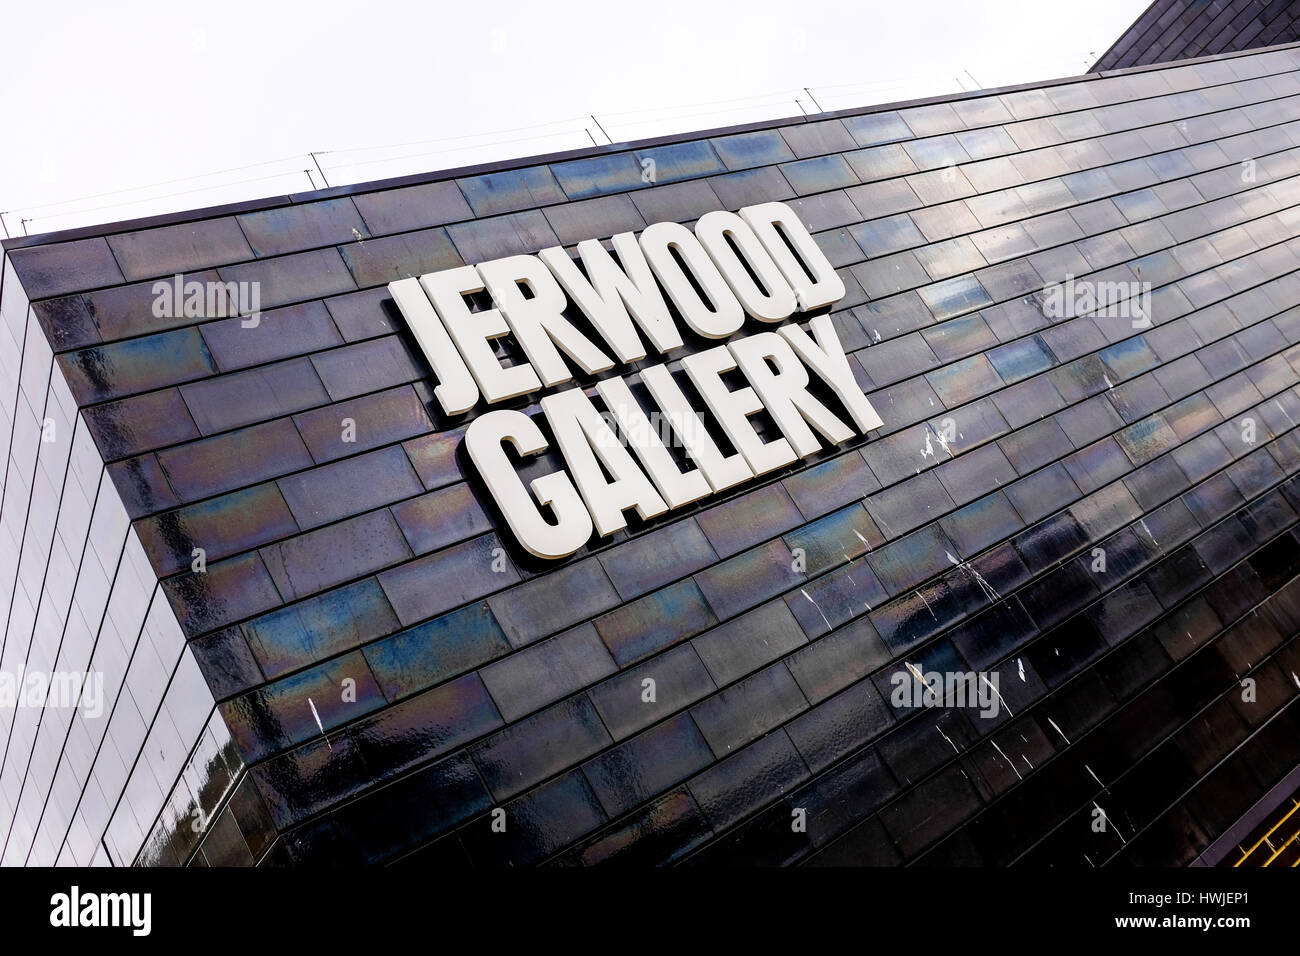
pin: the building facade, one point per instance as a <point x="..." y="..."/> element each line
<point x="234" y="500"/>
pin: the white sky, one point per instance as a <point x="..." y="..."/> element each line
<point x="99" y="97"/>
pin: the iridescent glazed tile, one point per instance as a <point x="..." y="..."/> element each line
<point x="182" y="247"/>
<point x="908" y="504"/>
<point x="227" y="664"/>
<point x="749" y="578"/>
<point x="954" y="296"/>
<point x="377" y="262"/>
<point x="602" y="216"/>
<point x="427" y="725"/>
<point x="881" y="198"/>
<point x="430" y="653"/>
<point x="830" y="210"/>
<point x="440" y="518"/>
<point x="123" y="368"/>
<point x="68" y="321"/>
<point x="747" y="710"/>
<point x="243" y="457"/>
<point x="220" y="527"/>
<point x="550" y="817"/>
<point x="320" y="559"/>
<point x="438" y="582"/>
<point x="1052" y="598"/>
<point x="818" y="138"/>
<point x="1066" y="650"/>
<point x="838" y="659"/>
<point x="279" y="334"/>
<point x="1002" y="243"/>
<point x="1089" y="420"/>
<point x="680" y="679"/>
<point x="994" y="634"/>
<point x="519" y="233"/>
<point x="511" y="190"/>
<point x="882" y="163"/>
<point x="909" y="560"/>
<point x="413" y="207"/>
<point x="293" y="278"/>
<point x="981" y="523"/>
<point x="975" y="473"/>
<point x="413" y="810"/>
<point x="839" y="725"/>
<point x="228" y="591"/>
<point x="818" y="175"/>
<point x="644" y="766"/>
<point x="657" y="621"/>
<point x="1106" y="511"/>
<point x="889" y="275"/>
<point x="957" y="338"/>
<point x="547" y="671"/>
<point x="1192" y="415"/>
<point x="1138" y="397"/>
<point x="751" y="186"/>
<point x="243" y="398"/>
<point x="320" y="627"/>
<point x="897" y="359"/>
<point x="986" y="143"/>
<point x="296" y="708"/>
<point x="1202" y="456"/>
<point x="598" y="175"/>
<point x="1050" y="541"/>
<point x="554" y="602"/>
<point x="142" y="485"/>
<point x="1147" y="439"/>
<point x="1033" y="446"/>
<point x="273" y="232"/>
<point x="310" y="778"/>
<point x="434" y="457"/>
<point x="660" y="833"/>
<point x="327" y="493"/>
<point x="678" y="161"/>
<point x="883" y="236"/>
<point x="830" y="601"/>
<point x="746" y="150"/>
<point x="1097" y="464"/>
<point x="63" y="267"/>
<point x="675" y="202"/>
<point x="651" y="560"/>
<point x="376" y="420"/>
<point x="531" y="750"/>
<point x="740" y="522"/>
<point x="964" y="381"/>
<point x="869" y="129"/>
<point x="917" y="615"/>
<point x="1043" y="492"/>
<point x="1124" y="611"/>
<point x="830" y="484"/>
<point x="932" y="119"/>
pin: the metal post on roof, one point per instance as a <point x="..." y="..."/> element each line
<point x="319" y="170"/>
<point x="4" y="226"/>
<point x="601" y="128"/>
<point x="814" y="100"/>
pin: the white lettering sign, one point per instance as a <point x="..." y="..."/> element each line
<point x="761" y="262"/>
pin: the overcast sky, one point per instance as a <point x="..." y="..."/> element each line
<point x="209" y="103"/>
